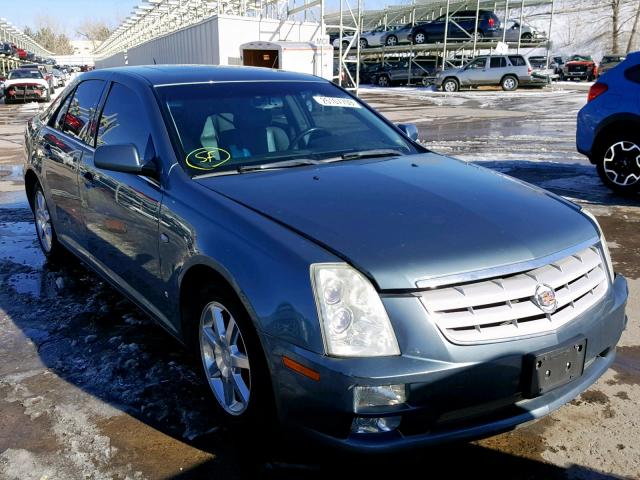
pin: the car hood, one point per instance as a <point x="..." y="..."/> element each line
<point x="26" y="81"/>
<point x="412" y="218"/>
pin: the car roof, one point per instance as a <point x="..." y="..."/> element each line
<point x="180" y="74"/>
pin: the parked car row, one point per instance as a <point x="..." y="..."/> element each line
<point x="460" y="26"/>
<point x="8" y="49"/>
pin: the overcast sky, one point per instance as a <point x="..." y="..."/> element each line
<point x="71" y="13"/>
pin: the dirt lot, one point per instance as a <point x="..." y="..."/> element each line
<point x="89" y="388"/>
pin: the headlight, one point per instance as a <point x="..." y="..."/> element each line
<point x="353" y="319"/>
<point x="603" y="242"/>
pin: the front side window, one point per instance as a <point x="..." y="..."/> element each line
<point x="224" y="126"/>
<point x="122" y="122"/>
<point x="82" y="108"/>
<point x="478" y="63"/>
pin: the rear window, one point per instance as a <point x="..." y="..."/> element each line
<point x="517" y="61"/>
<point x="633" y="74"/>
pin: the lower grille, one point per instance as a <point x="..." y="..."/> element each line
<point x="505" y="308"/>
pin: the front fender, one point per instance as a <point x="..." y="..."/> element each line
<point x="264" y="262"/>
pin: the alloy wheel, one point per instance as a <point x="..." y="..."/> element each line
<point x="43" y="222"/>
<point x="391" y="41"/>
<point x="450" y="86"/>
<point x="383" y="81"/>
<point x="225" y="359"/>
<point x="509" y="83"/>
<point x="622" y="163"/>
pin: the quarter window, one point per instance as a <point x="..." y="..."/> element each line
<point x="517" y="61"/>
<point x="76" y="121"/>
<point x="121" y="121"/>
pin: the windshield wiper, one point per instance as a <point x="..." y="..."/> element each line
<point x="374" y="153"/>
<point x="299" y="162"/>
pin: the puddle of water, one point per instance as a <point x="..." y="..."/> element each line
<point x="27" y="283"/>
<point x="18" y="243"/>
<point x="16" y="199"/>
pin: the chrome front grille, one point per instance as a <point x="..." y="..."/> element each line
<point x="504" y="308"/>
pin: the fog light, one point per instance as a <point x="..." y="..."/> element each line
<point x="375" y="424"/>
<point x="379" y="396"/>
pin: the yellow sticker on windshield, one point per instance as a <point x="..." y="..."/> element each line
<point x="207" y="158"/>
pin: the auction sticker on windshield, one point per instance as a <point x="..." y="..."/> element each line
<point x="337" y="102"/>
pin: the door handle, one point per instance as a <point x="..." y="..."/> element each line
<point x="88" y="176"/>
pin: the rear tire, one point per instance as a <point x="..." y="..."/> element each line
<point x="617" y="159"/>
<point x="391" y="41"/>
<point x="47" y="238"/>
<point x="363" y="43"/>
<point x="526" y="37"/>
<point x="509" y="83"/>
<point x="450" y="85"/>
<point x="384" y="81"/>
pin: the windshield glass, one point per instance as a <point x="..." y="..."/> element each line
<point x="24" y="74"/>
<point x="225" y="126"/>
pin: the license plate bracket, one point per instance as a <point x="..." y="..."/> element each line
<point x="549" y="369"/>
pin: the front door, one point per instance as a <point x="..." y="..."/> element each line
<point x="475" y="72"/>
<point x="121" y="209"/>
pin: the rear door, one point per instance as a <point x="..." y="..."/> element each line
<point x="63" y="144"/>
<point x="497" y="69"/>
<point x="122" y="209"/>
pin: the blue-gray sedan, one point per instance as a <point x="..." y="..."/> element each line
<point x="327" y="269"/>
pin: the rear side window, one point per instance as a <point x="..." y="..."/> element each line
<point x="498" y="62"/>
<point x="58" y="124"/>
<point x="122" y="122"/>
<point x="517" y="61"/>
<point x="633" y="74"/>
<point x="82" y="108"/>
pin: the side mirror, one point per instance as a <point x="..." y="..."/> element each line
<point x="410" y="130"/>
<point x="122" y="158"/>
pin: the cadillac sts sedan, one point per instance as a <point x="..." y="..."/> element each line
<point x="329" y="271"/>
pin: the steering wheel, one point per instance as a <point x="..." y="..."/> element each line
<point x="296" y="140"/>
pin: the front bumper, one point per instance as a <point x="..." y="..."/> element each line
<point x="454" y="392"/>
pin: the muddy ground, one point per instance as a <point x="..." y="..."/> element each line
<point x="90" y="388"/>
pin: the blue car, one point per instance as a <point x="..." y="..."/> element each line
<point x="461" y="26"/>
<point x="324" y="268"/>
<point x="609" y="126"/>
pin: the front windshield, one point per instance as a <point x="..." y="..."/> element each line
<point x="224" y="126"/>
<point x="24" y="74"/>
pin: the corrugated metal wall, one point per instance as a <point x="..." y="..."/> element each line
<point x="117" y="60"/>
<point x="214" y="41"/>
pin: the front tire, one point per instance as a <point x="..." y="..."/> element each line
<point x="509" y="83"/>
<point x="526" y="37"/>
<point x="232" y="360"/>
<point x="618" y="162"/>
<point x="420" y="38"/>
<point x="363" y="43"/>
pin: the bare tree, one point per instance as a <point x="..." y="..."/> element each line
<point x="634" y="30"/>
<point x="96" y="31"/>
<point x="50" y="35"/>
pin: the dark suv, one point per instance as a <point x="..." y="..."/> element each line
<point x="462" y="26"/>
